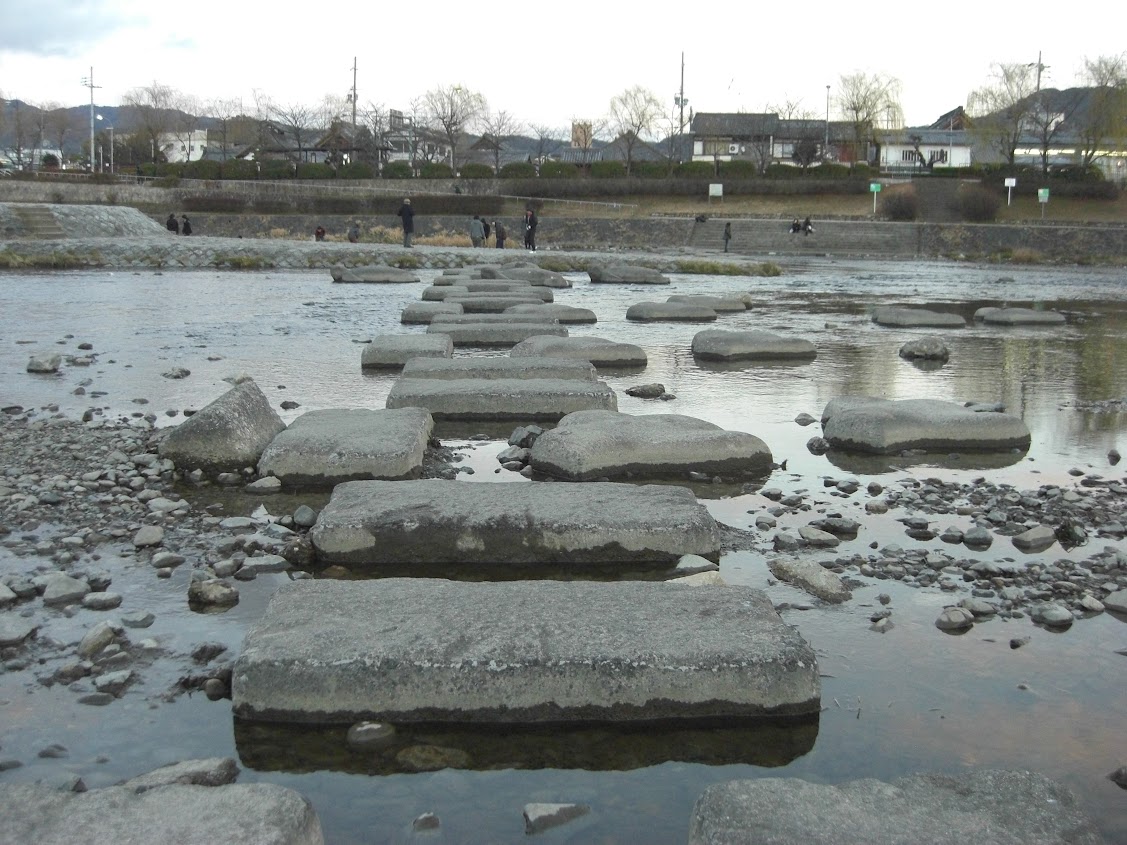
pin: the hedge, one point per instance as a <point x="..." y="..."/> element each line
<point x="558" y="170"/>
<point x="436" y="170"/>
<point x="397" y="170"/>
<point x="473" y="170"/>
<point x="518" y="170"/>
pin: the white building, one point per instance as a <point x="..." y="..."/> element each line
<point x="183" y="146"/>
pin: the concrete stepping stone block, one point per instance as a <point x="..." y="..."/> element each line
<point x="504" y="317"/>
<point x="376" y="273"/>
<point x="720" y="345"/>
<point x="392" y="351"/>
<point x="719" y="304"/>
<point x="323" y="448"/>
<point x="1018" y="317"/>
<point x="625" y="274"/>
<point x="424" y="312"/>
<point x="527" y="524"/>
<point x="562" y="313"/>
<point x="494" y="303"/>
<point x="597" y="350"/>
<point x="518" y="399"/>
<point x="596" y="444"/>
<point x="679" y="312"/>
<point x="885" y="426"/>
<point x="494" y="334"/>
<point x="539" y="367"/>
<point x="898" y="316"/>
<point x="405" y="650"/>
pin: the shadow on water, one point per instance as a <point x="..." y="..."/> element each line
<point x="860" y="463"/>
<point x="294" y="748"/>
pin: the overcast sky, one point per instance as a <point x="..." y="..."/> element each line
<point x="544" y="63"/>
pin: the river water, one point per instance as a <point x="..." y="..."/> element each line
<point x="913" y="699"/>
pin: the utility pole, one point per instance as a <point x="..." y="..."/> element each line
<point x="680" y="100"/>
<point x="826" y="145"/>
<point x="1039" y="67"/>
<point x="88" y="81"/>
<point x="354" y="91"/>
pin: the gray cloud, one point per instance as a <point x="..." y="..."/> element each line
<point x="58" y="27"/>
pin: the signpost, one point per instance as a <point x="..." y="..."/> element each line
<point x="715" y="189"/>
<point x="1043" y="198"/>
<point x="1011" y="183"/>
<point x="874" y="187"/>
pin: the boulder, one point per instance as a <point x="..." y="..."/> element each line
<point x="900" y="317"/>
<point x="226" y="435"/>
<point x="811" y="577"/>
<point x="719" y="345"/>
<point x="392" y="351"/>
<point x="669" y="312"/>
<point x="46" y="363"/>
<point x="885" y="426"/>
<point x="927" y="348"/>
<point x="597" y="444"/>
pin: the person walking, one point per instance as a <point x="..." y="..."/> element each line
<point x="186" y="226"/>
<point x="477" y="231"/>
<point x="727" y="235"/>
<point x="354" y="233"/>
<point x="500" y="233"/>
<point x="172" y="225"/>
<point x="530" y="224"/>
<point x="408" y="215"/>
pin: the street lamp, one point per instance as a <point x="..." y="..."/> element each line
<point x="88" y="81"/>
<point x="110" y="125"/>
<point x="826" y="146"/>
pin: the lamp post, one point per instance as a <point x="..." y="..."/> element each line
<point x="826" y="145"/>
<point x="88" y="81"/>
<point x="111" y="145"/>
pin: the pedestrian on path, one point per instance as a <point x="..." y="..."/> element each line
<point x="499" y="231"/>
<point x="186" y="226"/>
<point x="172" y="225"/>
<point x="727" y="235"/>
<point x="408" y="215"/>
<point x="530" y="224"/>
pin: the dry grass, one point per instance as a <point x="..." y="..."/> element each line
<point x="1066" y="210"/>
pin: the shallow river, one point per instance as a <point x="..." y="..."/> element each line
<point x="913" y="699"/>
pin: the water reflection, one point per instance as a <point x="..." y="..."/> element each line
<point x="293" y="748"/>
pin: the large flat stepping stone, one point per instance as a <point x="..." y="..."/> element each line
<point x="392" y="351"/>
<point x="376" y="273"/>
<point x="562" y="313"/>
<point x="596" y="350"/>
<point x="406" y="650"/>
<point x="237" y="814"/>
<point x="625" y="274"/>
<point x="719" y="304"/>
<point x="494" y="368"/>
<point x="324" y="448"/>
<point x="494" y="334"/>
<point x="884" y="426"/>
<point x="424" y="312"/>
<point x="536" y="276"/>
<point x="523" y="524"/>
<point x="719" y="345"/>
<point x="669" y="312"/>
<point x="898" y="316"/>
<point x="1019" y="317"/>
<point x="986" y="807"/>
<point x="495" y="303"/>
<point x="596" y="444"/>
<point x="519" y="399"/>
<point x="504" y="317"/>
<point x="527" y="293"/>
<point x="227" y="434"/>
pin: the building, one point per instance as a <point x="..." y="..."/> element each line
<point x="765" y="139"/>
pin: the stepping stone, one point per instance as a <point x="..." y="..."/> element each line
<point x="494" y="334"/>
<point x="236" y="814"/>
<point x="392" y="351"/>
<point x="376" y="273"/>
<point x="719" y="345"/>
<point x="499" y="368"/>
<point x="558" y="524"/>
<point x="907" y="318"/>
<point x="597" y="350"/>
<point x="518" y="399"/>
<point x="596" y="444"/>
<point x="1019" y="317"/>
<point x="535" y="276"/>
<point x="495" y="303"/>
<point x="885" y="426"/>
<point x="625" y="274"/>
<point x="562" y="313"/>
<point x="987" y="807"/>
<point x="226" y="435"/>
<point x="669" y="312"/>
<point x="719" y="304"/>
<point x="504" y="317"/>
<point x="323" y="448"/>
<point x="424" y="312"/>
<point x="406" y="650"/>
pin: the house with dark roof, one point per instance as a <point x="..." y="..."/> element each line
<point x="764" y="138"/>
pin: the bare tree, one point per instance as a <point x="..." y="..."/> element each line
<point x="869" y="102"/>
<point x="150" y="111"/>
<point x="184" y="121"/>
<point x="548" y="141"/>
<point x="225" y="111"/>
<point x="299" y="122"/>
<point x="798" y="126"/>
<point x="499" y="127"/>
<point x="998" y="110"/>
<point x="19" y="134"/>
<point x="1051" y="111"/>
<point x="60" y="123"/>
<point x="452" y="110"/>
<point x="1104" y="122"/>
<point x="633" y="114"/>
<point x="375" y="120"/>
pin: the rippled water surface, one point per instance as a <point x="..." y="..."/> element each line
<point x="909" y="700"/>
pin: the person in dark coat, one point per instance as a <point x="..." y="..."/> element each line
<point x="499" y="231"/>
<point x="354" y="233"/>
<point x="172" y="225"/>
<point x="408" y="215"/>
<point x="807" y="226"/>
<point x="727" y="235"/>
<point x="186" y="226"/>
<point x="530" y="224"/>
<point x="319" y="233"/>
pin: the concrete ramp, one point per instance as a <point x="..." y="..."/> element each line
<point x="523" y="524"/>
<point x="421" y="650"/>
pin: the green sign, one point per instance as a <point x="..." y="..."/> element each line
<point x="1042" y="195"/>
<point x="874" y="187"/>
